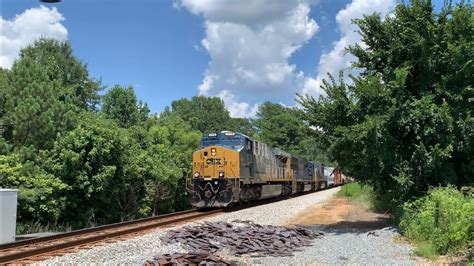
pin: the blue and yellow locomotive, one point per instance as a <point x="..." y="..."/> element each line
<point x="231" y="167"/>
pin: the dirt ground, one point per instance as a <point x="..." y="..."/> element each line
<point x="346" y="215"/>
<point x="341" y="212"/>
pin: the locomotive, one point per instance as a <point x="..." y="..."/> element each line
<point x="233" y="168"/>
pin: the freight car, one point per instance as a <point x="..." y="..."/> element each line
<point x="231" y="167"/>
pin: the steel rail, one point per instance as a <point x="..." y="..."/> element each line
<point x="80" y="237"/>
<point x="86" y="230"/>
<point x="128" y="227"/>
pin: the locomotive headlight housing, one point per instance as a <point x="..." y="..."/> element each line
<point x="221" y="174"/>
<point x="196" y="175"/>
<point x="213" y="151"/>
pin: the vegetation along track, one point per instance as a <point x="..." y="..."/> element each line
<point x="20" y="250"/>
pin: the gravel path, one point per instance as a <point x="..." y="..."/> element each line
<point x="346" y="247"/>
<point x="336" y="247"/>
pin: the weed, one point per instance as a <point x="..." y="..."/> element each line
<point x="36" y="227"/>
<point x="440" y="222"/>
<point x="359" y="193"/>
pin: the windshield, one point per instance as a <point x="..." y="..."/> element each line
<point x="234" y="142"/>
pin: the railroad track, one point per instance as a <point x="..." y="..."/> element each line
<point x="22" y="251"/>
<point x="41" y="248"/>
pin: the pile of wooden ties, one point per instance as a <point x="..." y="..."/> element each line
<point x="188" y="259"/>
<point x="247" y="238"/>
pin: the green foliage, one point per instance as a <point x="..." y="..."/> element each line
<point x="121" y="104"/>
<point x="243" y="125"/>
<point x="35" y="107"/>
<point x="101" y="167"/>
<point x="426" y="250"/>
<point x="359" y="193"/>
<point x="283" y="127"/>
<point x="31" y="227"/>
<point x="58" y="62"/>
<point x="280" y="126"/>
<point x="206" y="114"/>
<point x="42" y="94"/>
<point x="39" y="196"/>
<point x="167" y="151"/>
<point x="443" y="220"/>
<point x="76" y="167"/>
<point x="406" y="123"/>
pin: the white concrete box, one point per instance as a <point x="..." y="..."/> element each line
<point x="8" y="202"/>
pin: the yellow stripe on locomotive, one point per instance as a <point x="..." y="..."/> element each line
<point x="232" y="167"/>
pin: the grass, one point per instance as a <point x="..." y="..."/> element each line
<point x="23" y="228"/>
<point x="426" y="250"/>
<point x="358" y="193"/>
<point x="440" y="223"/>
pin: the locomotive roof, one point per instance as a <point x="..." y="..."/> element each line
<point x="276" y="150"/>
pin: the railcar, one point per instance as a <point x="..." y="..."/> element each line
<point x="233" y="168"/>
<point x="329" y="173"/>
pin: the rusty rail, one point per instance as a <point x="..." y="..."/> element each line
<point x="32" y="247"/>
<point x="24" y="249"/>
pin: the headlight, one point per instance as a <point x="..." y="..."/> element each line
<point x="221" y="174"/>
<point x="196" y="175"/>
<point x="213" y="151"/>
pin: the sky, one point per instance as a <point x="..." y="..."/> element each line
<point x="246" y="52"/>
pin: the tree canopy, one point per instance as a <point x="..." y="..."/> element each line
<point x="208" y="114"/>
<point x="121" y="104"/>
<point x="406" y="122"/>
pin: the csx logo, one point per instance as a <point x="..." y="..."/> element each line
<point x="213" y="161"/>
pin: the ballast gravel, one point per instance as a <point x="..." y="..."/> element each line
<point x="337" y="246"/>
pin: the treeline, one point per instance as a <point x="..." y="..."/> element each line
<point x="405" y="125"/>
<point x="79" y="158"/>
<point x="406" y="122"/>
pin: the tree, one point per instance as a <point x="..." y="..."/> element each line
<point x="168" y="145"/>
<point x="121" y="105"/>
<point x="39" y="196"/>
<point x="57" y="60"/>
<point x="405" y="123"/>
<point x="41" y="95"/>
<point x="35" y="106"/>
<point x="206" y="114"/>
<point x="3" y="98"/>
<point x="102" y="169"/>
<point x="243" y="125"/>
<point x="280" y="126"/>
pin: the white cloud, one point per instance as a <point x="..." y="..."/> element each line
<point x="338" y="59"/>
<point x="249" y="43"/>
<point x="25" y="28"/>
<point x="250" y="12"/>
<point x="235" y="107"/>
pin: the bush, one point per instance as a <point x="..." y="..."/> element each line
<point x="443" y="220"/>
<point x="39" y="196"/>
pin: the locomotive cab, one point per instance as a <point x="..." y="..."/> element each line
<point x="216" y="172"/>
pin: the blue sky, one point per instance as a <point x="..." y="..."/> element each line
<point x="157" y="46"/>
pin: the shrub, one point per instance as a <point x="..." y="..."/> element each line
<point x="443" y="219"/>
<point x="358" y="192"/>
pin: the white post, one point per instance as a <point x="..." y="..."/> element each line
<point x="8" y="202"/>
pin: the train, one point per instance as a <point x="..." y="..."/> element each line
<point x="232" y="168"/>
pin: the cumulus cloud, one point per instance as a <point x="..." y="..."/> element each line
<point x="236" y="107"/>
<point x="338" y="59"/>
<point x="249" y="43"/>
<point x="25" y="28"/>
<point x="249" y="12"/>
